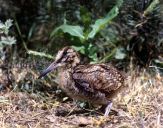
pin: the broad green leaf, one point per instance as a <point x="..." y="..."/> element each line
<point x="101" y="23"/>
<point x="70" y="29"/>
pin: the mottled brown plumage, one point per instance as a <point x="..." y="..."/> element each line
<point x="95" y="83"/>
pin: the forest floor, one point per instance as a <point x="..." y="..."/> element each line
<point x="139" y="105"/>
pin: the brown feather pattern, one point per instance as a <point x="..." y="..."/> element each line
<point x="95" y="83"/>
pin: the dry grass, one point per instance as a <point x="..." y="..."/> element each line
<point x="139" y="105"/>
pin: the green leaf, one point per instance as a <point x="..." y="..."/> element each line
<point x="4" y="27"/>
<point x="80" y="49"/>
<point x="151" y="7"/>
<point x="7" y="40"/>
<point x="70" y="29"/>
<point x="101" y="23"/>
<point x="108" y="56"/>
<point x="120" y="53"/>
<point x="92" y="52"/>
<point x="93" y="57"/>
<point x="8" y="23"/>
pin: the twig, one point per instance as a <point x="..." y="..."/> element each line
<point x="26" y="48"/>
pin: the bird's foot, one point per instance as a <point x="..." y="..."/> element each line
<point x="107" y="109"/>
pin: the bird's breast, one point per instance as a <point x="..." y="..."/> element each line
<point x="67" y="84"/>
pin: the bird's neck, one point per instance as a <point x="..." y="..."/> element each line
<point x="70" y="66"/>
<point x="67" y="68"/>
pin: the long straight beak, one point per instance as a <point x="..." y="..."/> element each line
<point x="52" y="67"/>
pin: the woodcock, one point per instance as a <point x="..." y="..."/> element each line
<point x="94" y="83"/>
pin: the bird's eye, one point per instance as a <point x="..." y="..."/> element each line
<point x="65" y="59"/>
<point x="64" y="53"/>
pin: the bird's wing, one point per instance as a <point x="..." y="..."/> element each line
<point x="101" y="77"/>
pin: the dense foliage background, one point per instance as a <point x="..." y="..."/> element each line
<point x="133" y="29"/>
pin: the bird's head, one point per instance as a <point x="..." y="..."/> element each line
<point x="66" y="57"/>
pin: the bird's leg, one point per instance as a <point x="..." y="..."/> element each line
<point x="108" y="108"/>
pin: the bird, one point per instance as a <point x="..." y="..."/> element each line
<point x="95" y="83"/>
